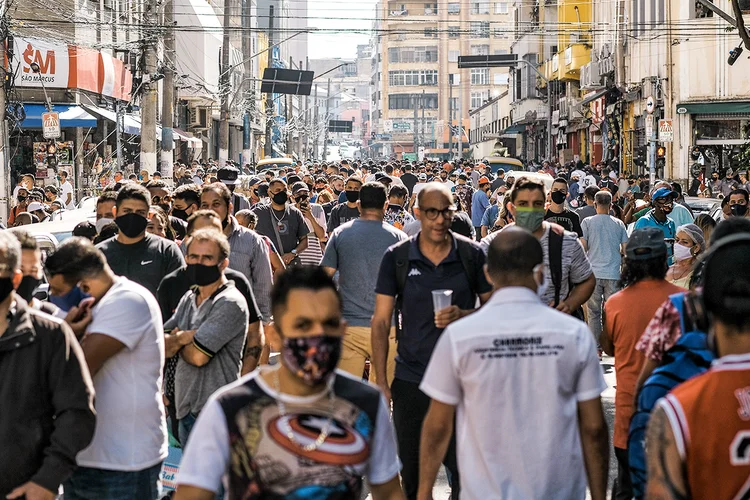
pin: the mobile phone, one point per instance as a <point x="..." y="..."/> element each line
<point x="638" y="196"/>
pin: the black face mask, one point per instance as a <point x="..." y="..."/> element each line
<point x="352" y="196"/>
<point x="180" y="214"/>
<point x="319" y="190"/>
<point x="738" y="210"/>
<point x="309" y="186"/>
<point x="558" y="197"/>
<point x="201" y="275"/>
<point x="21" y="199"/>
<point x="131" y="224"/>
<point x="164" y="207"/>
<point x="26" y="289"/>
<point x="336" y="191"/>
<point x="280" y="198"/>
<point x="6" y="286"/>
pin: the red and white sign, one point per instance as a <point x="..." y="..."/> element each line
<point x="598" y="110"/>
<point x="51" y="125"/>
<point x="70" y="67"/>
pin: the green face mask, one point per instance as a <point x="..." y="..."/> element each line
<point x="529" y="217"/>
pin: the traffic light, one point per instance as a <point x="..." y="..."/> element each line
<point x="661" y="152"/>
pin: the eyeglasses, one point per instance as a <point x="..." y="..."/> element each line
<point x="156" y="200"/>
<point x="432" y="213"/>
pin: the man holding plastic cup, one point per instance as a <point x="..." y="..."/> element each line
<point x="433" y="263"/>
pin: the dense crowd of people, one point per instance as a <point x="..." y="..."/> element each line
<point x="298" y="331"/>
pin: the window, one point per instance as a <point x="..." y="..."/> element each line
<point x="453" y="31"/>
<point x="478" y="98"/>
<point x="499" y="33"/>
<point x="501" y="7"/>
<point x="430" y="9"/>
<point x="407" y="101"/>
<point x="430" y="32"/>
<point x="393" y="55"/>
<point x="480" y="7"/>
<point x="480" y="29"/>
<point x="500" y="78"/>
<point x="480" y="50"/>
<point x="453" y="55"/>
<point x="454" y="8"/>
<point x="454" y="103"/>
<point x="701" y="12"/>
<point x="480" y="76"/>
<point x="500" y="52"/>
<point x="412" y="77"/>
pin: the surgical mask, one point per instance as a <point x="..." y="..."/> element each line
<point x="6" y="286"/>
<point x="102" y="222"/>
<point x="312" y="359"/>
<point x="202" y="275"/>
<point x="26" y="289"/>
<point x="352" y="196"/>
<point x="681" y="252"/>
<point x="541" y="288"/>
<point x="558" y="197"/>
<point x="529" y="218"/>
<point x="131" y="224"/>
<point x="69" y="300"/>
<point x="738" y="210"/>
<point x="280" y="198"/>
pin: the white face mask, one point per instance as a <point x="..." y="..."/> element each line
<point x="541" y="289"/>
<point x="102" y="222"/>
<point x="681" y="252"/>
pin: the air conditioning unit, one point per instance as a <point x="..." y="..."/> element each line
<point x="590" y="77"/>
<point x="198" y="117"/>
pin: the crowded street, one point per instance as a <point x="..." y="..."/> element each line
<point x="373" y="250"/>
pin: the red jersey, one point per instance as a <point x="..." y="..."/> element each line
<point x="710" y="419"/>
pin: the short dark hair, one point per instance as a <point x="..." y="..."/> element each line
<point x="560" y="180"/>
<point x="219" y="188"/>
<point x="397" y="191"/>
<point x="63" y="173"/>
<point x="251" y="217"/>
<point x="106" y="196"/>
<point x="197" y="215"/>
<point x="156" y="184"/>
<point x="634" y="271"/>
<point x="299" y="277"/>
<point x="372" y="196"/>
<point x="85" y="229"/>
<point x="108" y="231"/>
<point x="742" y="192"/>
<point x="214" y="236"/>
<point x="590" y="192"/>
<point x="527" y="183"/>
<point x="75" y="259"/>
<point x="353" y="178"/>
<point x="133" y="192"/>
<point x="27" y="241"/>
<point x="52" y="189"/>
<point x="189" y="193"/>
<point x="389" y="169"/>
<point x="514" y="252"/>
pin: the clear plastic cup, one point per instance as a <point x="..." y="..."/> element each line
<point x="441" y="299"/>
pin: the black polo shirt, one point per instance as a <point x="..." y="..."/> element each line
<point x="176" y="284"/>
<point x="419" y="335"/>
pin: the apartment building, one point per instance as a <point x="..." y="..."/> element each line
<point x="422" y="91"/>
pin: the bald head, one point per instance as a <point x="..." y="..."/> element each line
<point x="432" y="189"/>
<point x="512" y="257"/>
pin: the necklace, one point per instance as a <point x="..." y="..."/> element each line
<point x="278" y="219"/>
<point x="288" y="429"/>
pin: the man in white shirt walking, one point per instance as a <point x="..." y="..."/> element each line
<point x="124" y="350"/>
<point x="66" y="191"/>
<point x="540" y="432"/>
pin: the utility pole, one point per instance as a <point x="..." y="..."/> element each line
<point x="327" y="118"/>
<point x="167" y="102"/>
<point x="5" y="189"/>
<point x="460" y="126"/>
<point x="268" y="148"/>
<point x="450" y="112"/>
<point x="421" y="139"/>
<point x="307" y="117"/>
<point x="224" y="87"/>
<point x="149" y="99"/>
<point x="301" y="122"/>
<point x="316" y="122"/>
<point x="249" y="85"/>
<point x="289" y="116"/>
<point x="415" y="140"/>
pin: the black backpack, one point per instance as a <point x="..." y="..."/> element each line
<point x="400" y="251"/>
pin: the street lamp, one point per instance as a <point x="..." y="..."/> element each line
<point x="38" y="71"/>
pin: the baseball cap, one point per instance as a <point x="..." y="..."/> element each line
<point x="483" y="180"/>
<point x="34" y="206"/>
<point x="646" y="244"/>
<point x="252" y="181"/>
<point x="422" y="176"/>
<point x="228" y="175"/>
<point x="298" y="187"/>
<point x="664" y="192"/>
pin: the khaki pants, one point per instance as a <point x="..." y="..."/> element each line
<point x="357" y="348"/>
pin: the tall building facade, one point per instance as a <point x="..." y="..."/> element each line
<point x="422" y="96"/>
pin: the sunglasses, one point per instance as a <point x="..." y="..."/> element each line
<point x="156" y="200"/>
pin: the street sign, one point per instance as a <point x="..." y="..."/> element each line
<point x="344" y="126"/>
<point x="401" y="126"/>
<point x="650" y="103"/>
<point x="51" y="125"/>
<point x="495" y="61"/>
<point x="666" y="130"/>
<point x="649" y="127"/>
<point x="286" y="81"/>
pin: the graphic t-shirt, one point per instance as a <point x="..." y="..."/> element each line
<point x="397" y="217"/>
<point x="568" y="219"/>
<point x="342" y="214"/>
<point x="242" y="436"/>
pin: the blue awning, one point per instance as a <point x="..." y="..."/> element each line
<point x="70" y="116"/>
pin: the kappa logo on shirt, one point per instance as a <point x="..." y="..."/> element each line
<point x="414" y="272"/>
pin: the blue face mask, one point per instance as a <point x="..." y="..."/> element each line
<point x="69" y="300"/>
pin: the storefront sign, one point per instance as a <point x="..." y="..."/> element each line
<point x="666" y="131"/>
<point x="51" y="57"/>
<point x="598" y="110"/>
<point x="51" y="125"/>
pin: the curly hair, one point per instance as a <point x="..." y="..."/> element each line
<point x="634" y="271"/>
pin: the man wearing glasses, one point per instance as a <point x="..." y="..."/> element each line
<point x="433" y="259"/>
<point x="662" y="201"/>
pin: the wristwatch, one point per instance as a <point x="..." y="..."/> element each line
<point x="294" y="251"/>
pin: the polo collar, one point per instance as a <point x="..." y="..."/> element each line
<point x="416" y="254"/>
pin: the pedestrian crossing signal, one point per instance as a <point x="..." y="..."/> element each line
<point x="661" y="152"/>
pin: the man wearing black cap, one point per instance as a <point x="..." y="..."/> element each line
<point x="231" y="177"/>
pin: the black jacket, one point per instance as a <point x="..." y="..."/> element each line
<point x="46" y="401"/>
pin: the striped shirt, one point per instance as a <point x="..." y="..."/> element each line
<point x="249" y="256"/>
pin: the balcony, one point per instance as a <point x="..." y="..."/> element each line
<point x="575" y="56"/>
<point x="398" y="13"/>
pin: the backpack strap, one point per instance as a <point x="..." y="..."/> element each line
<point x="466" y="252"/>
<point x="401" y="256"/>
<point x="677" y="300"/>
<point x="555" y="242"/>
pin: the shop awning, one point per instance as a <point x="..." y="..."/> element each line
<point x="718" y="107"/>
<point x="70" y="116"/>
<point x="515" y="129"/>
<point x="593" y="97"/>
<point x="129" y="124"/>
<point x="181" y="135"/>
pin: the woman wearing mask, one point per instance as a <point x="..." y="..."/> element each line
<point x="689" y="244"/>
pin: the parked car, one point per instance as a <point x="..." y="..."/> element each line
<point x="498" y="162"/>
<point x="268" y="163"/>
<point x="710" y="206"/>
<point x="537" y="176"/>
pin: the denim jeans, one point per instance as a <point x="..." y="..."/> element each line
<point x="98" y="484"/>
<point x="185" y="427"/>
<point x="409" y="410"/>
<point x="603" y="290"/>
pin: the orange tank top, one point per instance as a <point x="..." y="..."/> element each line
<point x="710" y="419"/>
